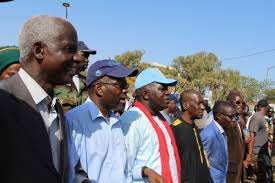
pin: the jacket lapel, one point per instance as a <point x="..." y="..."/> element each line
<point x="63" y="149"/>
<point x="32" y="123"/>
<point x="222" y="141"/>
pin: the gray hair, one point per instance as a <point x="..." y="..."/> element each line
<point x="42" y="28"/>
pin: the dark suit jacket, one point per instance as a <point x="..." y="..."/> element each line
<point x="236" y="145"/>
<point x="26" y="151"/>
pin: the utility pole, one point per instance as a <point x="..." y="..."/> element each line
<point x="66" y="5"/>
<point x="267" y="70"/>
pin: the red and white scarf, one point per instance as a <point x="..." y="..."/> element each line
<point x="164" y="155"/>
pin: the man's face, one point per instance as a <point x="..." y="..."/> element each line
<point x="114" y="92"/>
<point x="238" y="103"/>
<point x="228" y="118"/>
<point x="83" y="58"/>
<point x="60" y="60"/>
<point x="195" y="106"/>
<point x="172" y="106"/>
<point x="10" y="71"/>
<point x="159" y="96"/>
<point x="270" y="112"/>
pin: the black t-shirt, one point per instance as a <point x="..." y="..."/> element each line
<point x="193" y="162"/>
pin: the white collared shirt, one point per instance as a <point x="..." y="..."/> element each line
<point x="51" y="121"/>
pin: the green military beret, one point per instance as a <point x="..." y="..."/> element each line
<point x="8" y="56"/>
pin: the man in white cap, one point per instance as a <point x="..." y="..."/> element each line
<point x="150" y="145"/>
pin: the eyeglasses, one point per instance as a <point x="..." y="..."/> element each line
<point x="232" y="118"/>
<point x="122" y="85"/>
<point x="239" y="102"/>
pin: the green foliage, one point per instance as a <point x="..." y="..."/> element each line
<point x="201" y="71"/>
<point x="2" y="47"/>
<point x="270" y="95"/>
<point x="250" y="88"/>
<point x="131" y="58"/>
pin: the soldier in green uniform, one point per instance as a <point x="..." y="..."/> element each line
<point x="75" y="93"/>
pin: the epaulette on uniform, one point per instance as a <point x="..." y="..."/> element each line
<point x="177" y="122"/>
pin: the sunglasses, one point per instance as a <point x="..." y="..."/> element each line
<point x="239" y="102"/>
<point x="232" y="118"/>
<point x="122" y="84"/>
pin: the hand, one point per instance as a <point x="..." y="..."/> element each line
<point x="246" y="163"/>
<point x="248" y="160"/>
<point x="153" y="177"/>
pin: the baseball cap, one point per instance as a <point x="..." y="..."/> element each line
<point x="84" y="48"/>
<point x="110" y="68"/>
<point x="151" y="75"/>
<point x="8" y="56"/>
<point x="263" y="103"/>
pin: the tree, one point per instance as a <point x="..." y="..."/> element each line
<point x="195" y="68"/>
<point x="130" y="58"/>
<point x="250" y="88"/>
<point x="270" y="95"/>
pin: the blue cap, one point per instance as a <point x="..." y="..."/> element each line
<point x="174" y="98"/>
<point x="110" y="68"/>
<point x="151" y="75"/>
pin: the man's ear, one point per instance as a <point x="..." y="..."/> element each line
<point x="185" y="105"/>
<point x="98" y="89"/>
<point x="38" y="51"/>
<point x="145" y="94"/>
<point x="218" y="116"/>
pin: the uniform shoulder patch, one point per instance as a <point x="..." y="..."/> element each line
<point x="177" y="122"/>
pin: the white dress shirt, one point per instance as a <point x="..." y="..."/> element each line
<point x="49" y="114"/>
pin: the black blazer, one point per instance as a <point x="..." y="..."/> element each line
<point x="26" y="151"/>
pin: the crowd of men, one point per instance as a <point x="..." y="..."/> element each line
<point x="157" y="137"/>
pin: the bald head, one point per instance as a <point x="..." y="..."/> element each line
<point x="43" y="29"/>
<point x="188" y="95"/>
<point x="224" y="113"/>
<point x="221" y="107"/>
<point x="192" y="104"/>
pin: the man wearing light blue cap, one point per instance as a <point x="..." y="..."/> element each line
<point x="150" y="145"/>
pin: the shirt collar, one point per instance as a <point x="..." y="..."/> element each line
<point x="37" y="92"/>
<point x="219" y="127"/>
<point x="95" y="112"/>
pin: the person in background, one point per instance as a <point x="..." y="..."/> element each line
<point x="32" y="120"/>
<point x="214" y="139"/>
<point x="170" y="111"/>
<point x="259" y="133"/>
<point x="76" y="93"/>
<point x="236" y="142"/>
<point x="152" y="155"/>
<point x="96" y="142"/>
<point x="194" y="164"/>
<point x="9" y="62"/>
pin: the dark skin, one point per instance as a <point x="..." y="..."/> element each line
<point x="226" y="117"/>
<point x="192" y="104"/>
<point x="10" y="71"/>
<point x="84" y="60"/>
<point x="155" y="97"/>
<point x="238" y="101"/>
<point x="107" y="94"/>
<point x="55" y="63"/>
<point x="172" y="107"/>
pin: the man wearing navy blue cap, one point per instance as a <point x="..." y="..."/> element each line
<point x="96" y="140"/>
<point x="151" y="148"/>
<point x="171" y="109"/>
